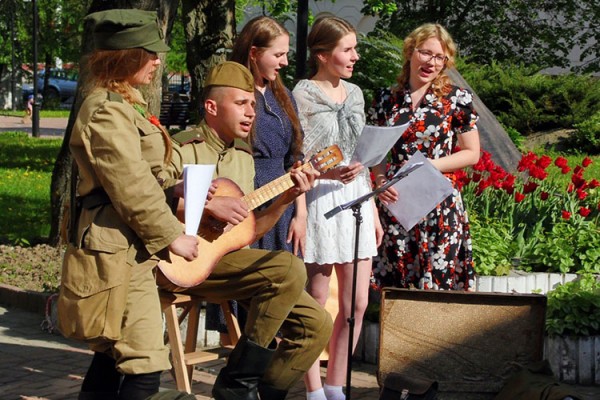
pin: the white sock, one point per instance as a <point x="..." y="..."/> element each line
<point x="318" y="394"/>
<point x="334" y="392"/>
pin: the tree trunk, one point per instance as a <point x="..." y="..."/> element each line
<point x="209" y="30"/>
<point x="301" y="36"/>
<point x="60" y="192"/>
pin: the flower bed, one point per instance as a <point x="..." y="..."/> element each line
<point x="532" y="220"/>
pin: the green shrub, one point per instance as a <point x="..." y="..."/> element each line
<point x="569" y="247"/>
<point x="587" y="136"/>
<point x="379" y="64"/>
<point x="574" y="308"/>
<point x="492" y="250"/>
<point x="515" y="136"/>
<point x="528" y="101"/>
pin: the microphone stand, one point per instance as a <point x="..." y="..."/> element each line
<point x="355" y="206"/>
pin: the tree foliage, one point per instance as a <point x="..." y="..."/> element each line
<point x="535" y="32"/>
<point x="12" y="12"/>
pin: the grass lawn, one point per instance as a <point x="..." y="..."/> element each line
<point x="43" y="113"/>
<point x="26" y="167"/>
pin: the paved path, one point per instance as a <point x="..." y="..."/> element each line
<point x="49" y="127"/>
<point x="37" y="365"/>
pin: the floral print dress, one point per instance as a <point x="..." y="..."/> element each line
<point x="436" y="253"/>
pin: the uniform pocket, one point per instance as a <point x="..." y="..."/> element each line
<point x="105" y="231"/>
<point x="93" y="293"/>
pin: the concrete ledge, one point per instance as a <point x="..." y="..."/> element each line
<point x="27" y="300"/>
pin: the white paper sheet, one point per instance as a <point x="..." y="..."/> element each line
<point x="375" y="142"/>
<point x="419" y="193"/>
<point x="196" y="182"/>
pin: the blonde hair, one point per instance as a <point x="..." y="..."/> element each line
<point x="441" y="84"/>
<point x="112" y="69"/>
<point x="324" y="35"/>
<point x="259" y="32"/>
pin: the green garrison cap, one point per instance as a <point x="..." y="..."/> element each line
<point x="232" y="74"/>
<point x="119" y="29"/>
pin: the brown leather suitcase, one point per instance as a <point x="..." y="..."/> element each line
<point x="470" y="343"/>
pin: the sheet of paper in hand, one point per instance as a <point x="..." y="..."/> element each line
<point x="196" y="182"/>
<point x="375" y="142"/>
<point x="419" y="193"/>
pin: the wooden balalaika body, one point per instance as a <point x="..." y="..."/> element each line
<point x="215" y="238"/>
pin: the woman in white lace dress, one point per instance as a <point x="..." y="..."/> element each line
<point x="332" y="112"/>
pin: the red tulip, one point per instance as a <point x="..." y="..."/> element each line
<point x="581" y="194"/>
<point x="529" y="187"/>
<point x="544" y="161"/>
<point x="561" y="162"/>
<point x="544" y="195"/>
<point x="565" y="170"/>
<point x="538" y="173"/>
<point x="593" y="183"/>
<point x="584" y="211"/>
<point x="578" y="181"/>
<point x="565" y="214"/>
<point x="586" y="162"/>
<point x="519" y="197"/>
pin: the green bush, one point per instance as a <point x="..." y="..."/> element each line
<point x="574" y="308"/>
<point x="587" y="136"/>
<point x="528" y="101"/>
<point x="379" y="64"/>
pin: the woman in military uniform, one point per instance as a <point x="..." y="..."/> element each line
<point x="122" y="224"/>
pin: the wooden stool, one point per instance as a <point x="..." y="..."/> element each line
<point x="184" y="357"/>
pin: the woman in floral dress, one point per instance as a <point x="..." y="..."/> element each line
<point x="437" y="252"/>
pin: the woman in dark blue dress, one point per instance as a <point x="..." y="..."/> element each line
<point x="262" y="46"/>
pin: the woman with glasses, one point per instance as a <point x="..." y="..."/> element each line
<point x="436" y="253"/>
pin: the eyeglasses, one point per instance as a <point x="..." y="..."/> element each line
<point x="426" y="56"/>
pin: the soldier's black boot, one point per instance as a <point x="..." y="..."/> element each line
<point x="139" y="386"/>
<point x="102" y="379"/>
<point x="246" y="365"/>
<point x="171" y="395"/>
<point x="267" y="392"/>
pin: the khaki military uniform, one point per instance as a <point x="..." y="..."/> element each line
<point x="108" y="294"/>
<point x="269" y="284"/>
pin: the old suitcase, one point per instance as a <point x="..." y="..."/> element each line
<point x="470" y="343"/>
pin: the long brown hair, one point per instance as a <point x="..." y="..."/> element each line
<point x="441" y="84"/>
<point x="324" y="35"/>
<point x="260" y="32"/>
<point x="112" y="69"/>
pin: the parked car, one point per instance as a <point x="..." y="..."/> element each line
<point x="62" y="84"/>
<point x="179" y="84"/>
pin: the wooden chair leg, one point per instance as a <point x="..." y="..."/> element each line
<point x="182" y="378"/>
<point x="233" y="327"/>
<point x="191" y="336"/>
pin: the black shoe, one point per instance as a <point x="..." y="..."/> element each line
<point x="171" y="395"/>
<point x="139" y="386"/>
<point x="267" y="392"/>
<point x="97" y="396"/>
<point x="246" y="365"/>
